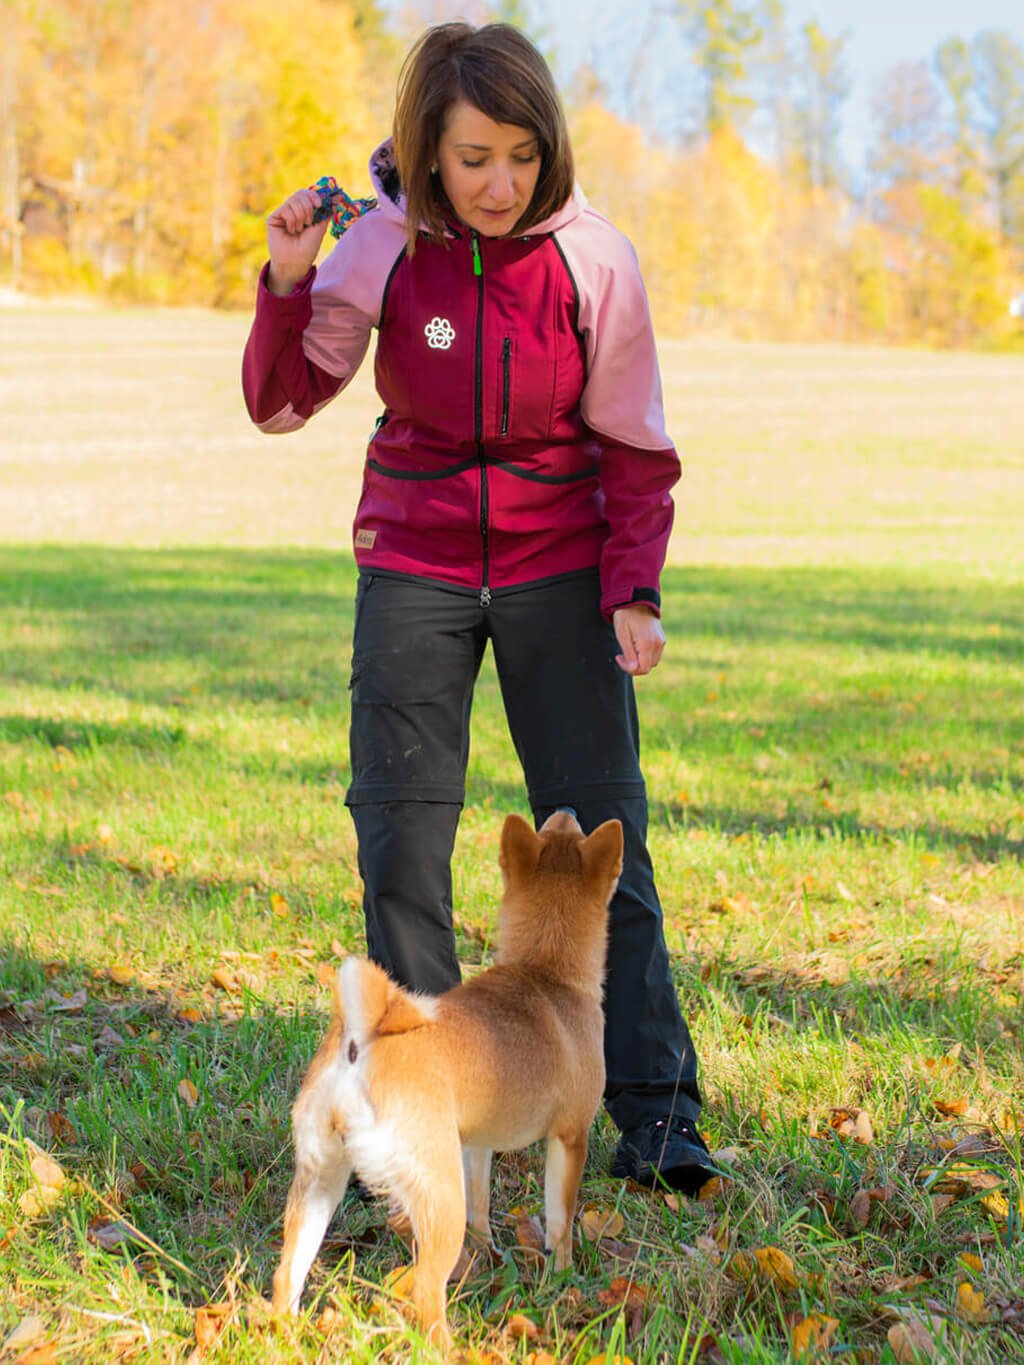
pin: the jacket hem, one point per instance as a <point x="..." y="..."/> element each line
<point x="609" y="789"/>
<point x="468" y="589"/>
<point x="381" y="793"/>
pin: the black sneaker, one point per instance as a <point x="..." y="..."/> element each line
<point x="664" y="1152"/>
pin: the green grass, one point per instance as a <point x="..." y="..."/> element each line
<point x="836" y="762"/>
<point x="834" y="747"/>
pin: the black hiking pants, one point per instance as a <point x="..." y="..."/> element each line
<point x="572" y="715"/>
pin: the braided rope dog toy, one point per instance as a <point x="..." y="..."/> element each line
<point x="338" y="206"/>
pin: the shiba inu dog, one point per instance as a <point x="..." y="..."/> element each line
<point x="414" y="1093"/>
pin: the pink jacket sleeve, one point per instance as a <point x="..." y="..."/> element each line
<point x="305" y="347"/>
<point x="622" y="404"/>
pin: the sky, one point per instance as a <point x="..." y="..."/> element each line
<point x="612" y="35"/>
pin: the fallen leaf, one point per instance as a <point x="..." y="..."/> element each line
<point x="742" y="1266"/>
<point x="211" y="1319"/>
<point x="776" y="1266"/>
<point x="224" y="979"/>
<point x="398" y="1282"/>
<point x="60" y="1127"/>
<point x="911" y="1342"/>
<point x="530" y="1232"/>
<point x="43" y="1354"/>
<point x="970" y="1304"/>
<point x="860" y="1209"/>
<point x="189" y="1015"/>
<point x="279" y="906"/>
<point x="188" y="1092"/>
<point x="814" y="1333"/>
<point x="710" y="1189"/>
<point x="598" y="1222"/>
<point x="109" y="1236"/>
<point x="852" y="1123"/>
<point x="121" y="975"/>
<point x="623" y="1290"/>
<point x="108" y="1037"/>
<point x="971" y="1262"/>
<point x="522" y="1328"/>
<point x="27" y="1332"/>
<point x="603" y="1359"/>
<point x="71" y="1004"/>
<point x="328" y="1321"/>
<point x="997" y="1204"/>
<point x="11" y="1021"/>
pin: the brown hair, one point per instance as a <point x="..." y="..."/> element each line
<point x="497" y="69"/>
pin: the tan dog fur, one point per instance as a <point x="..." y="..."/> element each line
<point x="414" y="1094"/>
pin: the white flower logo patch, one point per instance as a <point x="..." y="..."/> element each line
<point x="439" y="333"/>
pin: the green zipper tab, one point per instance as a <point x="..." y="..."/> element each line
<point x="478" y="265"/>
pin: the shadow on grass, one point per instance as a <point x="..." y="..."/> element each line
<point x="228" y="630"/>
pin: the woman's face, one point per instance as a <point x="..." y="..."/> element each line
<point x="489" y="170"/>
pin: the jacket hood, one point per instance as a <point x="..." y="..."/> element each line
<point x="391" y="198"/>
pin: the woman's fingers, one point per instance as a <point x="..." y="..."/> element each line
<point x="296" y="213"/>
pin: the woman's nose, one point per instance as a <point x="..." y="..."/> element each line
<point x="502" y="184"/>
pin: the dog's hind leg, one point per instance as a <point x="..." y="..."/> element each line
<point x="437" y="1206"/>
<point x="476" y="1162"/>
<point x="563" y="1171"/>
<point x="316" y="1191"/>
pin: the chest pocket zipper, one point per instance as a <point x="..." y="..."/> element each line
<point x="506" y="382"/>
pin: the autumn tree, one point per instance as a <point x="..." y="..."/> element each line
<point x="824" y="88"/>
<point x="999" y="82"/>
<point x="722" y="35"/>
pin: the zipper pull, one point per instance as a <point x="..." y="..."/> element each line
<point x="485" y="597"/>
<point x="478" y="265"/>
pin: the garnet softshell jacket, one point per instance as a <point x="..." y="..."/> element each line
<point x="523" y="435"/>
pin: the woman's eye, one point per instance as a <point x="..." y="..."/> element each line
<point x="526" y="160"/>
<point x="473" y="165"/>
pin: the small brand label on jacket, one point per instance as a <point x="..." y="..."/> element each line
<point x="365" y="539"/>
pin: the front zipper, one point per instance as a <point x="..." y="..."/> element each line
<point x="478" y="416"/>
<point x="506" y="364"/>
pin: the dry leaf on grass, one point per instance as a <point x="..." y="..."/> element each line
<point x="43" y="1354"/>
<point x="48" y="1189"/>
<point x="110" y="1235"/>
<point x="398" y="1282"/>
<point x="211" y="1319"/>
<point x="776" y="1266"/>
<point x="28" y="1331"/>
<point x="188" y="1092"/>
<point x="599" y="1221"/>
<point x="529" y="1232"/>
<point x="860" y="1204"/>
<point x="816" y="1332"/>
<point x="911" y="1342"/>
<point x="970" y="1305"/>
<point x="624" y="1291"/>
<point x="522" y="1328"/>
<point x="852" y="1123"/>
<point x="971" y="1262"/>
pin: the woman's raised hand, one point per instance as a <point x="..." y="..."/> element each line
<point x="293" y="240"/>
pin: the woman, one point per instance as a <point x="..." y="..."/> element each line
<point x="516" y="490"/>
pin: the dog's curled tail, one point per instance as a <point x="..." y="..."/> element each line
<point x="369" y="1004"/>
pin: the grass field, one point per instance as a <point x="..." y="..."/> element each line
<point x="834" y="747"/>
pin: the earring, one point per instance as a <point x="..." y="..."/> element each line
<point x="433" y="169"/>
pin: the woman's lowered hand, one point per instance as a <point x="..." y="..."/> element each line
<point x="640" y="638"/>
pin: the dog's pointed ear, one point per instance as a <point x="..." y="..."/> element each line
<point x="520" y="847"/>
<point x="602" y="853"/>
<point x="404" y="1012"/>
